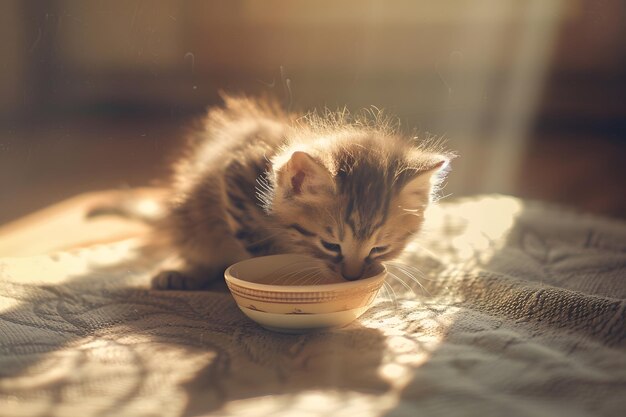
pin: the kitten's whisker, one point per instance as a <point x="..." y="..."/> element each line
<point x="424" y="249"/>
<point x="404" y="284"/>
<point x="302" y="277"/>
<point x="286" y="279"/>
<point x="413" y="270"/>
<point x="407" y="272"/>
<point x="314" y="278"/>
<point x="292" y="264"/>
<point x="410" y="268"/>
<point x="282" y="268"/>
<point x="292" y="273"/>
<point x="413" y="278"/>
<point x="318" y="277"/>
<point x="394" y="297"/>
<point x="303" y="280"/>
<point x="437" y="199"/>
<point x="387" y="296"/>
<point x="322" y="277"/>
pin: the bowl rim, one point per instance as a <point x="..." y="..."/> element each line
<point x="230" y="278"/>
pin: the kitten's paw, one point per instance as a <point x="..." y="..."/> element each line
<point x="176" y="280"/>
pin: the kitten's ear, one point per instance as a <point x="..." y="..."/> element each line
<point x="302" y="174"/>
<point x="425" y="178"/>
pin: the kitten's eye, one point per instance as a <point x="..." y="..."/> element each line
<point x="333" y="247"/>
<point x="378" y="249"/>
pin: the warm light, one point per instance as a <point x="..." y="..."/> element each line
<point x="492" y="219"/>
<point x="149" y="208"/>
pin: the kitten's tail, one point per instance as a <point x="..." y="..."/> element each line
<point x="144" y="207"/>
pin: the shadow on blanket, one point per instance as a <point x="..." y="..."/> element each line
<point x="185" y="352"/>
<point x="527" y="322"/>
<point x="539" y="321"/>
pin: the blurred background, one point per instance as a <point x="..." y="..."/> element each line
<point x="531" y="94"/>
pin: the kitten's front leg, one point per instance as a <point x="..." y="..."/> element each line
<point x="181" y="276"/>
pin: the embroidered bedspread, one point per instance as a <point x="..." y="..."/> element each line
<point x="518" y="311"/>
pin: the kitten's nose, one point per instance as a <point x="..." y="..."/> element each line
<point x="353" y="264"/>
<point x="350" y="277"/>
<point x="352" y="272"/>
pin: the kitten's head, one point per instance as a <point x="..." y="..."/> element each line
<point x="353" y="200"/>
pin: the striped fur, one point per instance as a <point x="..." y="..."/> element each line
<point x="258" y="181"/>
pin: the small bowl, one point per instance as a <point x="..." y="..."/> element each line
<point x="297" y="308"/>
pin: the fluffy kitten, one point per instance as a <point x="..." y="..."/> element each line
<point x="259" y="181"/>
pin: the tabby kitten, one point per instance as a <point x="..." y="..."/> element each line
<point x="259" y="181"/>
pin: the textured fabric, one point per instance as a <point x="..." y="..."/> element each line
<point x="521" y="313"/>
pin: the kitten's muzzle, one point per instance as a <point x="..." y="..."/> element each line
<point x="352" y="274"/>
<point x="351" y="278"/>
<point x="358" y="272"/>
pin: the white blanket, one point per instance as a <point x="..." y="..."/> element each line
<point x="521" y="313"/>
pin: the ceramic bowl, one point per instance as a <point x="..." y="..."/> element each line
<point x="264" y="295"/>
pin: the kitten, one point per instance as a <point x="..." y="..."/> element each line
<point x="259" y="181"/>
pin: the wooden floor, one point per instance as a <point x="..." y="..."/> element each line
<point x="586" y="172"/>
<point x="49" y="162"/>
